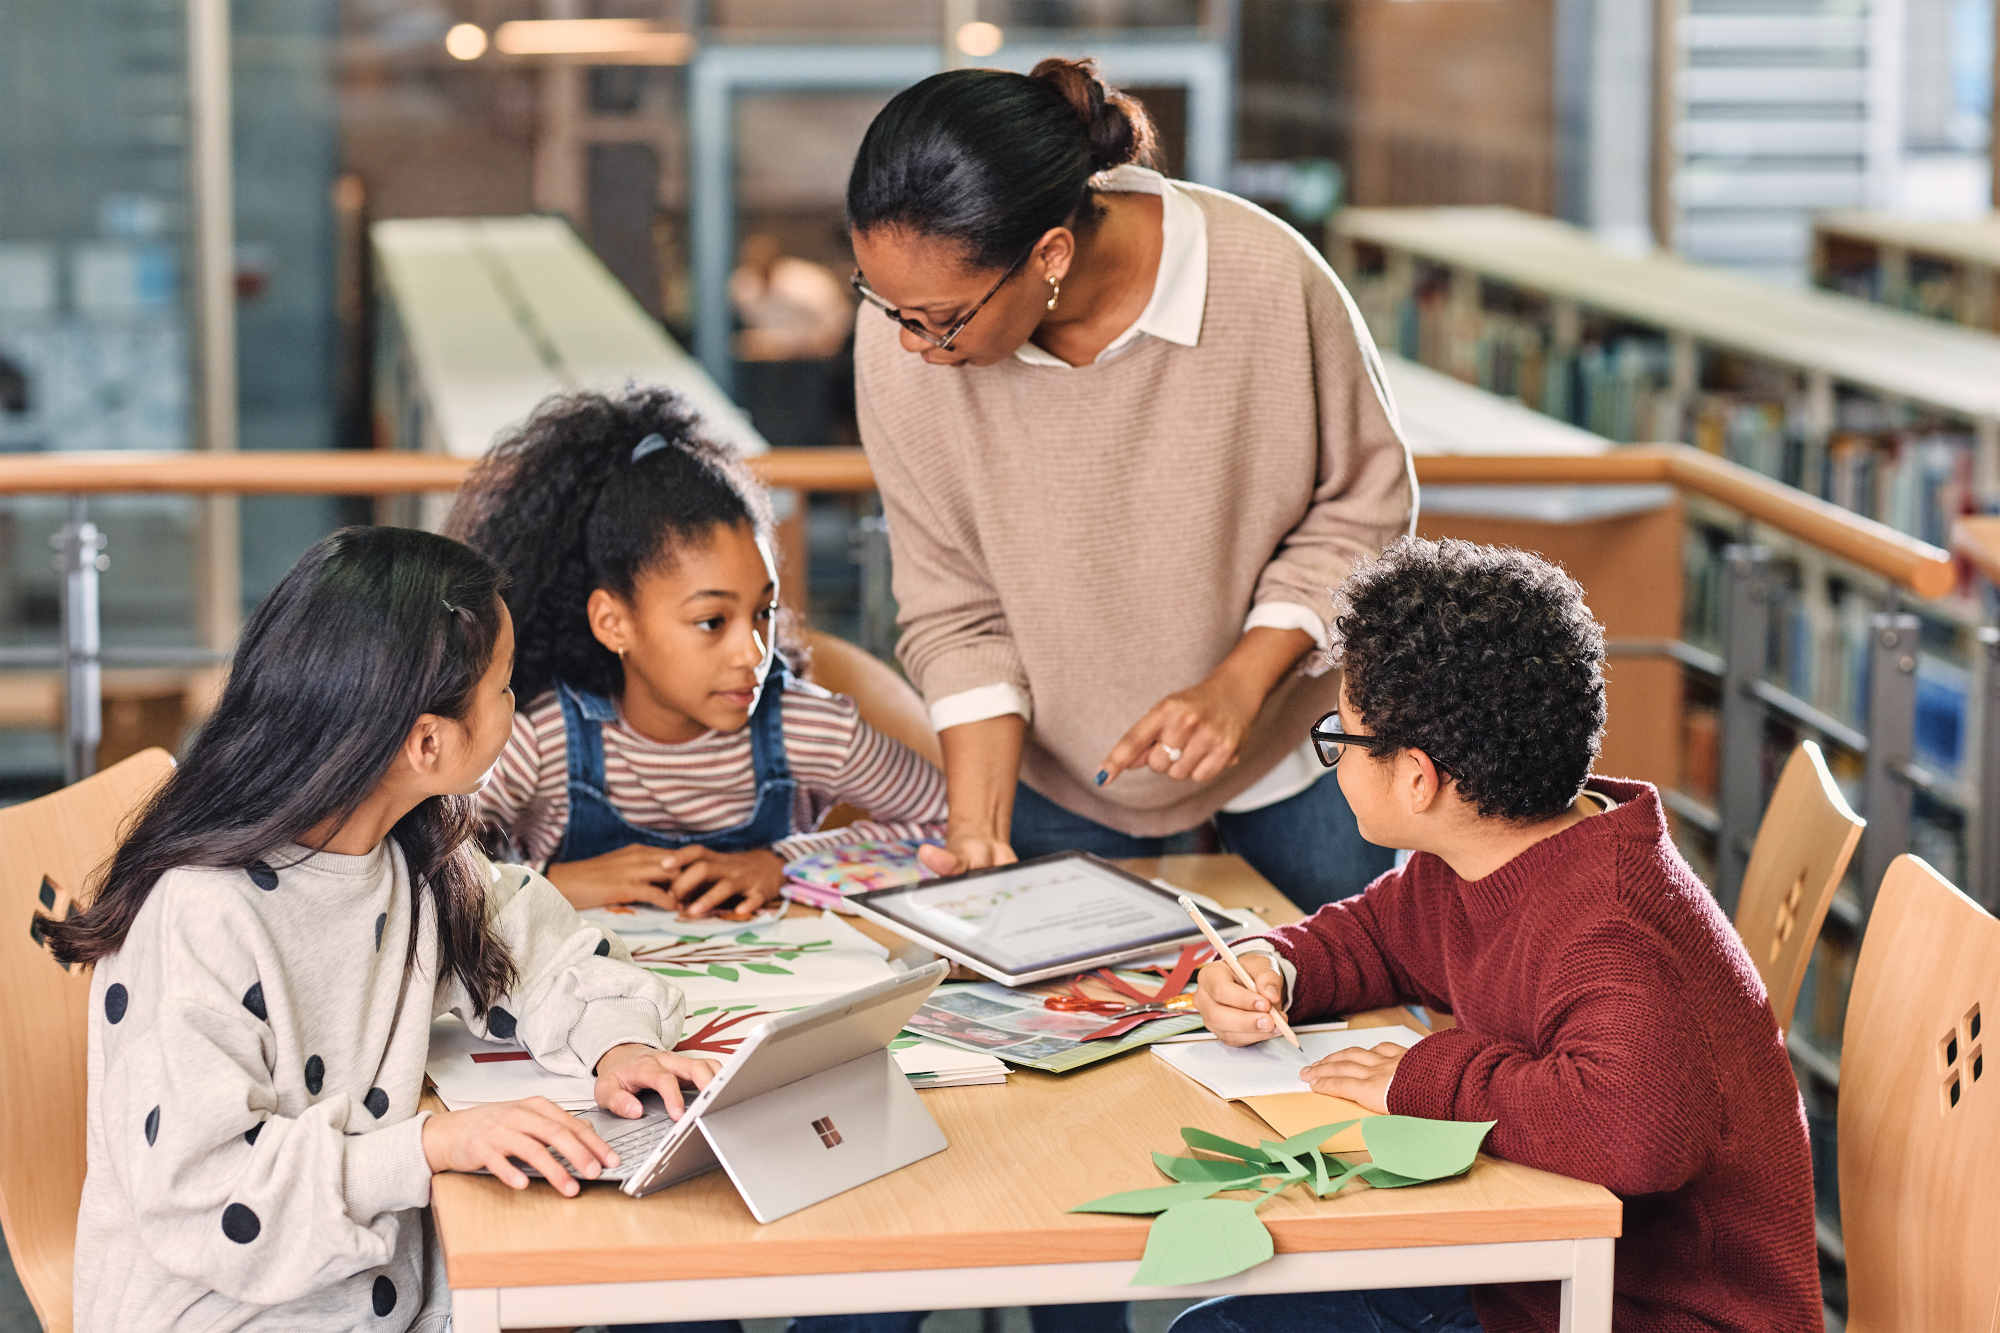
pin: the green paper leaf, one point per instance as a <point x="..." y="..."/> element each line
<point x="1385" y="1180"/>
<point x="1322" y="1186"/>
<point x="1156" y="1200"/>
<point x="1312" y="1138"/>
<point x="675" y="972"/>
<point x="1217" y="1170"/>
<point x="1420" y="1149"/>
<point x="721" y="973"/>
<point x="1242" y="1152"/>
<point x="1202" y="1240"/>
<point x="769" y="970"/>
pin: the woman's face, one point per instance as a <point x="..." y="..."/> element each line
<point x="925" y="279"/>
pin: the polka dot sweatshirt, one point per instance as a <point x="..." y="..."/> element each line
<point x="256" y="1052"/>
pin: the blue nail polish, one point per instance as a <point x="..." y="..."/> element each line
<point x="1102" y="774"/>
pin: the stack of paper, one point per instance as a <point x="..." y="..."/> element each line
<point x="930" y="1064"/>
<point x="1232" y="1072"/>
<point x="469" y="1071"/>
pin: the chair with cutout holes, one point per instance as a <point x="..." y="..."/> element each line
<point x="1801" y="852"/>
<point x="1919" y="1112"/>
<point x="49" y="849"/>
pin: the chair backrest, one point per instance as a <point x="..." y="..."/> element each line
<point x="1919" y="1115"/>
<point x="49" y="849"/>
<point x="886" y="701"/>
<point x="1801" y="852"/>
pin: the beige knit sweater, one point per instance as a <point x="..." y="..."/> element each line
<point x="1095" y="536"/>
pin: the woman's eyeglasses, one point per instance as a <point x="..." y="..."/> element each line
<point x="942" y="341"/>
<point x="1329" y="740"/>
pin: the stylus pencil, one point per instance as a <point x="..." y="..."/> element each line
<point x="1223" y="952"/>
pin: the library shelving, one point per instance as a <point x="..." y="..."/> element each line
<point x="1942" y="269"/>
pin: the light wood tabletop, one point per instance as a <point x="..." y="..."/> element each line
<point x="1021" y="1154"/>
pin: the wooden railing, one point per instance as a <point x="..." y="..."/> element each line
<point x="1920" y="568"/>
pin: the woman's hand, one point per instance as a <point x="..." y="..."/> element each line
<point x="623" y="1072"/>
<point x="1240" y="1017"/>
<point x="965" y="851"/>
<point x="634" y="874"/>
<point x="1191" y="734"/>
<point x="495" y="1136"/>
<point x="753" y="878"/>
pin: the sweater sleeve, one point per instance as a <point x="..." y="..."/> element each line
<point x="902" y="792"/>
<point x="1364" y="493"/>
<point x="1617" y="1088"/>
<point x="576" y="992"/>
<point x="1356" y="953"/>
<point x="187" y="1100"/>
<point x="954" y="631"/>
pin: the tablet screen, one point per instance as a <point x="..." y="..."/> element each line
<point x="1041" y="913"/>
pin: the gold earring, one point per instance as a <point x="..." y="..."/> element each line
<point x="1055" y="291"/>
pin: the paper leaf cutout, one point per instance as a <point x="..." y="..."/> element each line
<point x="1242" y="1152"/>
<point x="1423" y="1149"/>
<point x="1312" y="1138"/>
<point x="1212" y="1169"/>
<point x="1385" y="1180"/>
<point x="1322" y="1186"/>
<point x="1156" y="1200"/>
<point x="1202" y="1240"/>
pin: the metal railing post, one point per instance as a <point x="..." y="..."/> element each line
<point x="79" y="559"/>
<point x="1985" y="825"/>
<point x="1886" y="794"/>
<point x="1746" y="625"/>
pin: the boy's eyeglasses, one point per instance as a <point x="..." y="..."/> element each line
<point x="942" y="341"/>
<point x="1329" y="740"/>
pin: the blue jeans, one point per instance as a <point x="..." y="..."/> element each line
<point x="1398" y="1310"/>
<point x="1307" y="845"/>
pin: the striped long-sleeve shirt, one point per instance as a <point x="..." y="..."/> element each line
<point x="708" y="784"/>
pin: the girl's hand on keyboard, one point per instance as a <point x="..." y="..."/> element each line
<point x="623" y="1072"/>
<point x="494" y="1136"/>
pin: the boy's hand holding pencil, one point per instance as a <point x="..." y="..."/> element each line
<point x="1236" y="1014"/>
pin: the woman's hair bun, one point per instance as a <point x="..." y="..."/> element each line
<point x="1115" y="124"/>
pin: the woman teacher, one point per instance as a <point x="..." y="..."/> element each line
<point x="1129" y="433"/>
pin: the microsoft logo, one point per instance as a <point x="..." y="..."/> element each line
<point x="828" y="1135"/>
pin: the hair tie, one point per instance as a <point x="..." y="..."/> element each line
<point x="651" y="444"/>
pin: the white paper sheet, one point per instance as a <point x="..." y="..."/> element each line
<point x="1270" y="1066"/>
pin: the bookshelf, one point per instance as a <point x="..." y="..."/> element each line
<point x="1947" y="270"/>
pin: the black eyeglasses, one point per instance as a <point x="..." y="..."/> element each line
<point x="1329" y="740"/>
<point x="922" y="330"/>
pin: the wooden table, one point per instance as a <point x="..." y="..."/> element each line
<point x="984" y="1223"/>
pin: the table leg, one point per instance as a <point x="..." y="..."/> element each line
<point x="1586" y="1294"/>
<point x="477" y="1310"/>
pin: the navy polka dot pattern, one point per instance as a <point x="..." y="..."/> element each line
<point x="377" y="1102"/>
<point x="253" y="1000"/>
<point x="262" y="876"/>
<point x="250" y="1134"/>
<point x="603" y="949"/>
<point x="381" y="920"/>
<point x="384" y="1297"/>
<point x="240" y="1224"/>
<point x="315" y="1075"/>
<point x="116" y="998"/>
<point x="500" y="1023"/>
<point x="152" y="1126"/>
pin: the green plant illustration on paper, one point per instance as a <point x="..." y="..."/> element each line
<point x="725" y="958"/>
<point x="1198" y="1237"/>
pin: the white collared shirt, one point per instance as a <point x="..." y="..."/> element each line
<point x="1180" y="294"/>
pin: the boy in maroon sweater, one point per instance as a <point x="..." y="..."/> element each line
<point x="1608" y="1017"/>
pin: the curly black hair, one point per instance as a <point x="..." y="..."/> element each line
<point x="563" y="505"/>
<point x="1484" y="658"/>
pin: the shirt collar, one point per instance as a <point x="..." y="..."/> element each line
<point x="1180" y="289"/>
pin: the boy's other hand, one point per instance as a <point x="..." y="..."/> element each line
<point x="634" y="874"/>
<point x="1240" y="1017"/>
<point x="1361" y="1076"/>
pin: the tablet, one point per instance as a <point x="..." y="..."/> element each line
<point x="1033" y="920"/>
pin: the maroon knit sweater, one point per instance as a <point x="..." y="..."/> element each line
<point x="1611" y="1022"/>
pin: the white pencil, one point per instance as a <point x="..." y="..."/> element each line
<point x="1223" y="952"/>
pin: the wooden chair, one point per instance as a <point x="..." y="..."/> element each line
<point x="1919" y="1117"/>
<point x="886" y="701"/>
<point x="1801" y="852"/>
<point x="49" y="849"/>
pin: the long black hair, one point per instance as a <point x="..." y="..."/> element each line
<point x="371" y="629"/>
<point x="991" y="159"/>
<point x="590" y="492"/>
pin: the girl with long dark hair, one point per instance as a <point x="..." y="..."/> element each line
<point x="273" y="938"/>
<point x="665" y="751"/>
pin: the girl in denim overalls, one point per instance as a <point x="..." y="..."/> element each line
<point x="665" y="752"/>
